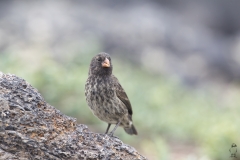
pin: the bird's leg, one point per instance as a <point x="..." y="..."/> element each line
<point x="108" y="128"/>
<point x="111" y="133"/>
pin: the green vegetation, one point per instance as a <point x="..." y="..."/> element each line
<point x="165" y="112"/>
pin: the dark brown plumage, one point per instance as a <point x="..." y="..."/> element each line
<point x="106" y="97"/>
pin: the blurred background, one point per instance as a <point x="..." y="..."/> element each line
<point x="179" y="62"/>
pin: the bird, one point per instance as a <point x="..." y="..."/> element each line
<point x="233" y="150"/>
<point x="106" y="97"/>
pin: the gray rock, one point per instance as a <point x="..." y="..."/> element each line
<point x="32" y="129"/>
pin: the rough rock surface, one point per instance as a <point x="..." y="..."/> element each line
<point x="32" y="129"/>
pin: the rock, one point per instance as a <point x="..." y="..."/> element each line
<point x="30" y="128"/>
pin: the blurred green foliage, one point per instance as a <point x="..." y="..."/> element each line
<point x="165" y="112"/>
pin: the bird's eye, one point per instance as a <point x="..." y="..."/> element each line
<point x="99" y="59"/>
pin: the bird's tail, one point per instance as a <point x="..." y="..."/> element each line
<point x="131" y="130"/>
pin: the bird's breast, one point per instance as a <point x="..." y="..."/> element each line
<point x="103" y="101"/>
<point x="100" y="90"/>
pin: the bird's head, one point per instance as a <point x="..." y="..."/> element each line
<point x="101" y="64"/>
<point x="234" y="145"/>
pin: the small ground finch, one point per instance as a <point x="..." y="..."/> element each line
<point x="106" y="97"/>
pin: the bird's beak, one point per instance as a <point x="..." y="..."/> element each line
<point x="106" y="63"/>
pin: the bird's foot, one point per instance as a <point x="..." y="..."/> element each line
<point x="110" y="134"/>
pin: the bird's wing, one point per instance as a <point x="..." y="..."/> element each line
<point x="121" y="94"/>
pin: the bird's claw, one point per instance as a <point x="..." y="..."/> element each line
<point x="110" y="134"/>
